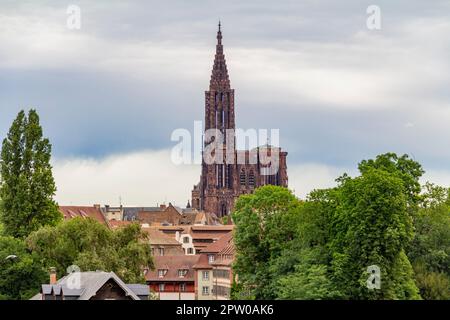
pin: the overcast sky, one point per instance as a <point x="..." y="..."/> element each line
<point x="110" y="94"/>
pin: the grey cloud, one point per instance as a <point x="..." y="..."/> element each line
<point x="138" y="70"/>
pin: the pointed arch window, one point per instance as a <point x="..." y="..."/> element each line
<point x="242" y="178"/>
<point x="229" y="176"/>
<point x="223" y="209"/>
<point x="251" y="178"/>
<point x="220" y="175"/>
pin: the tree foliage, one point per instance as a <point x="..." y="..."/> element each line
<point x="264" y="224"/>
<point x="371" y="226"/>
<point x="20" y="278"/>
<point x="91" y="246"/>
<point x="27" y="186"/>
<point x="321" y="248"/>
<point x="430" y="249"/>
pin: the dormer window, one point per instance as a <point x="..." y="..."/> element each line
<point x="182" y="273"/>
<point x="210" y="258"/>
<point x="162" y="273"/>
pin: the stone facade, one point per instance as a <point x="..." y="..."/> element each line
<point x="239" y="172"/>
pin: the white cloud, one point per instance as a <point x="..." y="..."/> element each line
<point x="148" y="178"/>
<point x="304" y="178"/>
<point x="143" y="178"/>
<point x="439" y="177"/>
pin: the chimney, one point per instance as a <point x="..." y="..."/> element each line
<point x="97" y="206"/>
<point x="162" y="206"/>
<point x="52" y="275"/>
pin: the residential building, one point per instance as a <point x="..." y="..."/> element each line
<point x="162" y="244"/>
<point x="94" y="212"/>
<point x="203" y="279"/>
<point x="203" y="236"/>
<point x="214" y="270"/>
<point x="92" y="285"/>
<point x="166" y="215"/>
<point x="186" y="242"/>
<point x="113" y="213"/>
<point x="173" y="277"/>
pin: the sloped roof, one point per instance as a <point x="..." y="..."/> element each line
<point x="114" y="224"/>
<point x="214" y="228"/>
<point x="90" y="283"/>
<point x="203" y="262"/>
<point x="71" y="212"/>
<point x="131" y="212"/>
<point x="220" y="244"/>
<point x="157" y="237"/>
<point x="172" y="264"/>
<point x="139" y="289"/>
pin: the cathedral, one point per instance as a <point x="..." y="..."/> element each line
<point x="239" y="171"/>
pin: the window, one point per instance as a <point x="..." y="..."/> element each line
<point x="251" y="179"/>
<point x="182" y="273"/>
<point x="205" y="275"/>
<point x="153" y="251"/>
<point x="229" y="176"/>
<point x="242" y="178"/>
<point x="161" y="251"/>
<point x="223" y="210"/>
<point x="205" y="291"/>
<point x="161" y="287"/>
<point x="223" y="274"/>
<point x="161" y="272"/>
<point x="190" y="251"/>
<point x="210" y="258"/>
<point x="182" y="287"/>
<point x="221" y="291"/>
<point x="219" y="173"/>
<point x="186" y="240"/>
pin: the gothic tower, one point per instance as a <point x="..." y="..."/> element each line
<point x="223" y="181"/>
<point x="219" y="114"/>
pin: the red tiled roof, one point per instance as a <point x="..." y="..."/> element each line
<point x="172" y="228"/>
<point x="219" y="228"/>
<point x="172" y="264"/>
<point x="205" y="236"/>
<point x="157" y="237"/>
<point x="220" y="244"/>
<point x="71" y="212"/>
<point x="119" y="223"/>
<point x="203" y="262"/>
<point x="225" y="257"/>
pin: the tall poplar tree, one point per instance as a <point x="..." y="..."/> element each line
<point x="27" y="186"/>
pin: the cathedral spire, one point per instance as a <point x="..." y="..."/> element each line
<point x="219" y="35"/>
<point x="219" y="76"/>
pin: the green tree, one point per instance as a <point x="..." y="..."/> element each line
<point x="430" y="249"/>
<point x="408" y="170"/>
<point x="303" y="268"/>
<point x="309" y="281"/>
<point x="20" y="278"/>
<point x="371" y="226"/>
<point x="265" y="225"/>
<point x="91" y="246"/>
<point x="27" y="186"/>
